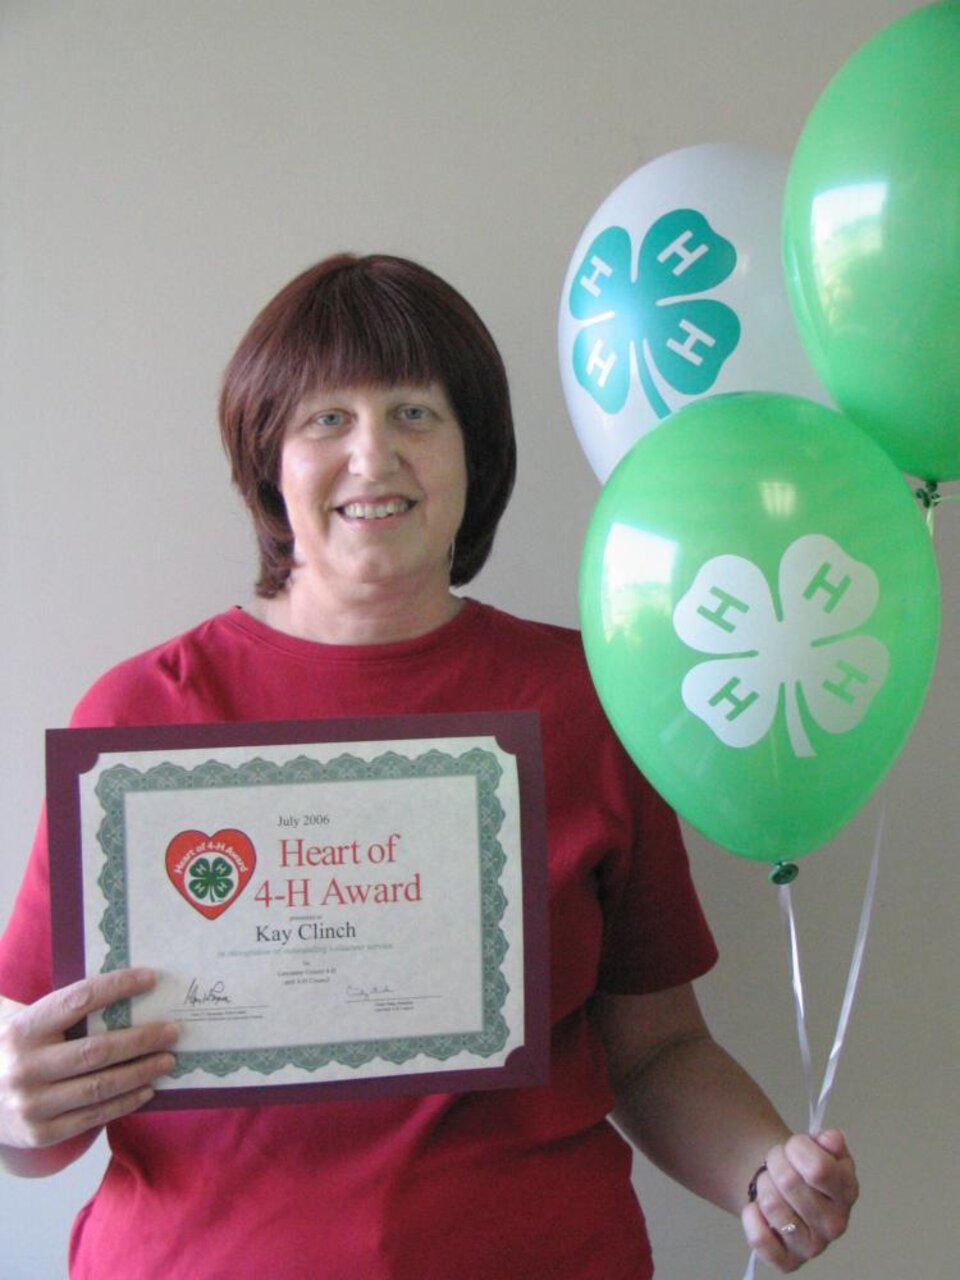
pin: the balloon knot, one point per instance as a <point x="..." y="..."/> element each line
<point x="929" y="494"/>
<point x="784" y="873"/>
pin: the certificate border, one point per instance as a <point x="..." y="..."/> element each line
<point x="118" y="781"/>
<point x="72" y="752"/>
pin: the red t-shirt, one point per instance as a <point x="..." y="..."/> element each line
<point x="500" y="1185"/>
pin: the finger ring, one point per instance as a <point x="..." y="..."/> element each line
<point x="787" y="1230"/>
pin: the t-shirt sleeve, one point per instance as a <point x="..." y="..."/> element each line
<point x="655" y="933"/>
<point x="26" y="969"/>
<point x="26" y="961"/>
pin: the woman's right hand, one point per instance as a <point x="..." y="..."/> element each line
<point x="55" y="1091"/>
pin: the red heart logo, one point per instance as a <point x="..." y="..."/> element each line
<point x="211" y="872"/>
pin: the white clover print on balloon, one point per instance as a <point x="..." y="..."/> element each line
<point x="810" y="648"/>
<point x="655" y="323"/>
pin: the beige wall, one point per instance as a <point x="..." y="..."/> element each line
<point x="166" y="167"/>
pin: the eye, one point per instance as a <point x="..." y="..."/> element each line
<point x="328" y="420"/>
<point x="414" y="414"/>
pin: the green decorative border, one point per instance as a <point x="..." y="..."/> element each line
<point x="115" y="783"/>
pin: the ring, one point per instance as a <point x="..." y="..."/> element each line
<point x="788" y="1230"/>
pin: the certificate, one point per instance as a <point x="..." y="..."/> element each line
<point x="334" y="908"/>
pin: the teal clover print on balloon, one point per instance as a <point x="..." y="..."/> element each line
<point x="803" y="653"/>
<point x="655" y="321"/>
<point x="211" y="880"/>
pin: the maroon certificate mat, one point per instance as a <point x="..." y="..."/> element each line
<point x="335" y="909"/>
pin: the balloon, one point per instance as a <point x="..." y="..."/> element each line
<point x="760" y="608"/>
<point x="676" y="290"/>
<point x="872" y="239"/>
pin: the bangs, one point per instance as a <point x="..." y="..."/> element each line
<point x="364" y="332"/>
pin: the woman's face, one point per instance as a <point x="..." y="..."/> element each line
<point x="375" y="483"/>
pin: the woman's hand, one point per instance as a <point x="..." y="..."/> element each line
<point x="56" y="1091"/>
<point x="804" y="1198"/>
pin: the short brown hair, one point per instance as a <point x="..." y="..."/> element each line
<point x="371" y="321"/>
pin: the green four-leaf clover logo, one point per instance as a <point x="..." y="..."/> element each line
<point x="804" y="652"/>
<point x="653" y="322"/>
<point x="211" y="880"/>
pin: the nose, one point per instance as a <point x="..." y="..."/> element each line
<point x="373" y="448"/>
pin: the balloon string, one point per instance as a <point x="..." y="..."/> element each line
<point x="932" y="506"/>
<point x="796" y="979"/>
<point x="817" y="1104"/>
<point x="853" y="978"/>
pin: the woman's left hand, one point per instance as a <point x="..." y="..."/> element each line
<point x="804" y="1198"/>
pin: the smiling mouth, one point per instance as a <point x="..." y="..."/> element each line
<point x="376" y="510"/>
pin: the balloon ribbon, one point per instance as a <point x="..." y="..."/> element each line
<point x="817" y="1103"/>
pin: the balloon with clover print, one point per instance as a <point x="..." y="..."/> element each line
<point x="760" y="609"/>
<point x="676" y="290"/>
<point x="872" y="239"/>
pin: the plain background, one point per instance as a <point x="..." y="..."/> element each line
<point x="166" y="167"/>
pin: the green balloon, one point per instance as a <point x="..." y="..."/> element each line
<point x="872" y="239"/>
<point x="759" y="600"/>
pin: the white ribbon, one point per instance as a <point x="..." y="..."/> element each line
<point x="817" y="1103"/>
<point x="751" y="1270"/>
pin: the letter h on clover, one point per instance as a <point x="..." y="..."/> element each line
<point x="808" y="650"/>
<point x="654" y="322"/>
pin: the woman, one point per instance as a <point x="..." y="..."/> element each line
<point x="367" y="418"/>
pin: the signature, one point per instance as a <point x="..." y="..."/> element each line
<point x="368" y="993"/>
<point x="213" y="995"/>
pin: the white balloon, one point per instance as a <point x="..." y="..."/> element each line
<point x="704" y="310"/>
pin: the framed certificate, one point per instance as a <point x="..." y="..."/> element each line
<point x="334" y="908"/>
